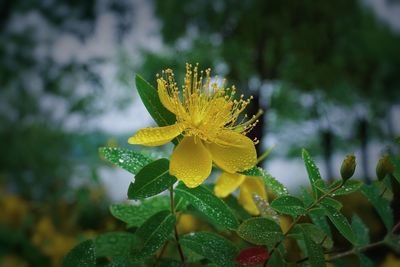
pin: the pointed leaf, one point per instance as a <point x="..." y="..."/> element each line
<point x="136" y="215"/>
<point x="315" y="233"/>
<point x="260" y="231"/>
<point x="332" y="202"/>
<point x="151" y="180"/>
<point x="314" y="251"/>
<point x="129" y="160"/>
<point x="365" y="261"/>
<point x="381" y="205"/>
<point x="151" y="101"/>
<point x="83" y="255"/>
<point x="314" y="175"/>
<point x="316" y="217"/>
<point x="272" y="184"/>
<point x="210" y="205"/>
<point x="360" y="230"/>
<point x="396" y="162"/>
<point x="340" y="223"/>
<point x="288" y="205"/>
<point x="349" y="187"/>
<point x="115" y="244"/>
<point x="215" y="248"/>
<point x="154" y="232"/>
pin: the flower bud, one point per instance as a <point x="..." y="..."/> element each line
<point x="348" y="167"/>
<point x="384" y="167"/>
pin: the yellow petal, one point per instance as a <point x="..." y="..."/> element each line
<point x="237" y="153"/>
<point x="227" y="183"/>
<point x="251" y="185"/>
<point x="156" y="136"/>
<point x="190" y="162"/>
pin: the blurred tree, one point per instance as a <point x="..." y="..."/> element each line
<point x="336" y="52"/>
<point x="40" y="93"/>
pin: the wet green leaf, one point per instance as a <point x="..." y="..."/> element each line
<point x="332" y="202"/>
<point x="314" y="175"/>
<point x="288" y="205"/>
<point x="349" y="187"/>
<point x="272" y="184"/>
<point x="239" y="211"/>
<point x="208" y="204"/>
<point x="213" y="247"/>
<point x="314" y="250"/>
<point x="135" y="215"/>
<point x="365" y="261"/>
<point x="381" y="205"/>
<point x="83" y="255"/>
<point x="314" y="232"/>
<point x="316" y="217"/>
<point x="115" y="244"/>
<point x="151" y="180"/>
<point x="129" y="160"/>
<point x="396" y="162"/>
<point x="360" y="230"/>
<point x="340" y="223"/>
<point x="260" y="231"/>
<point x="151" y="101"/>
<point x="153" y="233"/>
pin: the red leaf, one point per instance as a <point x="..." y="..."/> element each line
<point x="252" y="256"/>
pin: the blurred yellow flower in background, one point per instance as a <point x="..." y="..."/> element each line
<point x="228" y="182"/>
<point x="207" y="116"/>
<point x="14" y="210"/>
<point x="51" y="242"/>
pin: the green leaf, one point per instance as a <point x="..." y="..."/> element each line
<point x="210" y="205"/>
<point x="360" y="230"/>
<point x="314" y="251"/>
<point x="151" y="180"/>
<point x="272" y="184"/>
<point x="83" y="255"/>
<point x="129" y="160"/>
<point x="151" y="101"/>
<point x="314" y="232"/>
<point x="349" y="187"/>
<point x="365" y="261"/>
<point x="215" y="248"/>
<point x="314" y="175"/>
<point x="315" y="216"/>
<point x="260" y="231"/>
<point x="381" y="205"/>
<point x="239" y="211"/>
<point x="332" y="202"/>
<point x="115" y="244"/>
<point x="340" y="223"/>
<point x="154" y="232"/>
<point x="136" y="215"/>
<point x="288" y="205"/>
<point x="169" y="263"/>
<point x="396" y="162"/>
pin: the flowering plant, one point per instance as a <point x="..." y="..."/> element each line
<point x="200" y="224"/>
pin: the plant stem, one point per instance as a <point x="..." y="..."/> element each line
<point x="176" y="229"/>
<point x="347" y="253"/>
<point x="265" y="154"/>
<point x="316" y="202"/>
<point x="160" y="254"/>
<point x="355" y="250"/>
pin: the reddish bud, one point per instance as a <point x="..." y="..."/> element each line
<point x="252" y="256"/>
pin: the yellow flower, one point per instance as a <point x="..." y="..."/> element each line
<point x="207" y="117"/>
<point x="228" y="182"/>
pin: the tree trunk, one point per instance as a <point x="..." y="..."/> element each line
<point x="363" y="136"/>
<point x="327" y="145"/>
